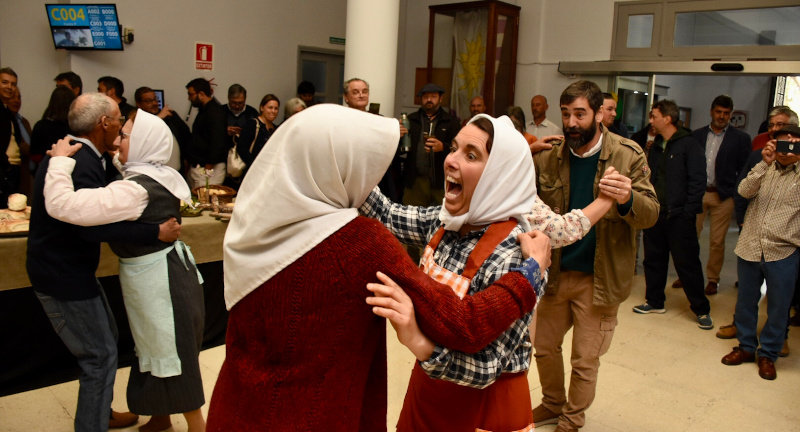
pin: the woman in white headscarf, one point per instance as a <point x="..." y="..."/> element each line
<point x="161" y="286"/>
<point x="470" y="241"/>
<point x="304" y="350"/>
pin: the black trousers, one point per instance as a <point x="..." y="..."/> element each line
<point x="796" y="297"/>
<point x="677" y="235"/>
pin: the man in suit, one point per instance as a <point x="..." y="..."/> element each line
<point x="63" y="258"/>
<point x="726" y="149"/>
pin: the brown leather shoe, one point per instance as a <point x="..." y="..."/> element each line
<point x="785" y="351"/>
<point x="543" y="416"/>
<point x="677" y="284"/>
<point x="766" y="369"/>
<point x="711" y="288"/>
<point x="737" y="357"/>
<point x="727" y="331"/>
<point x="122" y="420"/>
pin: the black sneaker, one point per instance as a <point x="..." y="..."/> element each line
<point x="705" y="322"/>
<point x="646" y="309"/>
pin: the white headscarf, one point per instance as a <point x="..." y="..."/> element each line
<point x="305" y="184"/>
<point x="507" y="187"/>
<point x="149" y="151"/>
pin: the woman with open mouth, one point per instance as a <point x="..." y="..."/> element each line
<point x="470" y="241"/>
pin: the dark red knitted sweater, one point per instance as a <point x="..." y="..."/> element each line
<point x="305" y="352"/>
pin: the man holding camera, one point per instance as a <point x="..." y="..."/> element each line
<point x="768" y="249"/>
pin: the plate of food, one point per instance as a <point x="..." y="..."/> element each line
<point x="225" y="194"/>
<point x="187" y="211"/>
<point x="15" y="220"/>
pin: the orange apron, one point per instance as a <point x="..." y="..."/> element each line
<point x="437" y="405"/>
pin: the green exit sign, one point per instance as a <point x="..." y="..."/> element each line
<point x="336" y="41"/>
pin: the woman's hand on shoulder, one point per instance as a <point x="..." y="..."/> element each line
<point x="536" y="245"/>
<point x="64" y="148"/>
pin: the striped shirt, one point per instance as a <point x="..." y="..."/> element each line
<point x="771" y="225"/>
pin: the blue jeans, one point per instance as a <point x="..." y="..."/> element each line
<point x="88" y="330"/>
<point x="780" y="276"/>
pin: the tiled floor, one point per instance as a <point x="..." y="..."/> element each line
<point x="662" y="373"/>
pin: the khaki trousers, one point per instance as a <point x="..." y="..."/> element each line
<point x="720" y="213"/>
<point x="593" y="330"/>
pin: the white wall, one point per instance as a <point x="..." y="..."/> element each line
<point x="256" y="43"/>
<point x="568" y="30"/>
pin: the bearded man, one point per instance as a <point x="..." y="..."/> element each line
<point x="590" y="278"/>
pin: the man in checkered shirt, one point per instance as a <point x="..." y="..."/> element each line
<point x="768" y="250"/>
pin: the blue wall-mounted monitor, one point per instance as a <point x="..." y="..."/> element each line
<point x="84" y="26"/>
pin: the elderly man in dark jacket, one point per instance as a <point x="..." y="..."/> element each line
<point x="679" y="178"/>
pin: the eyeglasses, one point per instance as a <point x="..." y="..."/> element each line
<point x="356" y="92"/>
<point x="777" y="125"/>
<point x="121" y="119"/>
<point x="124" y="135"/>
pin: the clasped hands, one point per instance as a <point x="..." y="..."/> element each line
<point x="615" y="186"/>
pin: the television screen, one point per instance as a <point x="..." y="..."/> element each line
<point x="84" y="27"/>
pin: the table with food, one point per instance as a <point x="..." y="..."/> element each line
<point x="40" y="358"/>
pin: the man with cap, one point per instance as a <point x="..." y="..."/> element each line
<point x="432" y="130"/>
<point x="768" y="250"/>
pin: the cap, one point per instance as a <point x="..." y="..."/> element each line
<point x="791" y="129"/>
<point x="431" y="88"/>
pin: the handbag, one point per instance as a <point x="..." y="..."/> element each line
<point x="236" y="165"/>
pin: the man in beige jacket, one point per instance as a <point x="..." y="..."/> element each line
<point x="589" y="279"/>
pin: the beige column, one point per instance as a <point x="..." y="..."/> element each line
<point x="370" y="51"/>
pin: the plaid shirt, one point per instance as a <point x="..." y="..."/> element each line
<point x="508" y="353"/>
<point x="771" y="227"/>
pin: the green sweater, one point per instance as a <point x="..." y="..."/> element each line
<point x="579" y="256"/>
